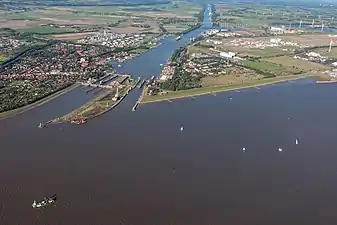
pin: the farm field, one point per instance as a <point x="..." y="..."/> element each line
<point x="175" y="16"/>
<point x="246" y="14"/>
<point x="301" y="64"/>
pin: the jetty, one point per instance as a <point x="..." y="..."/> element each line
<point x="139" y="99"/>
<point x="137" y="83"/>
<point x="141" y="84"/>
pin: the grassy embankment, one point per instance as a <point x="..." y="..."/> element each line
<point x="220" y="88"/>
<point x="43" y="100"/>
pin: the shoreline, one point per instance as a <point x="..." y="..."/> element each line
<point x="23" y="109"/>
<point x="216" y="89"/>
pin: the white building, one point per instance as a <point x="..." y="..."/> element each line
<point x="227" y="54"/>
<point x="277" y="29"/>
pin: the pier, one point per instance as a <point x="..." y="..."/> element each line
<point x="95" y="86"/>
<point x="137" y="83"/>
<point x="140" y="98"/>
<point x="141" y="84"/>
<point x="108" y="79"/>
<point x="102" y="78"/>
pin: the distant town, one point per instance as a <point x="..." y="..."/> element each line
<point x="40" y="59"/>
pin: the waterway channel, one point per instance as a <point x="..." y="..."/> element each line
<point x="139" y="168"/>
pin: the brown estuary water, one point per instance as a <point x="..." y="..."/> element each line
<point x="138" y="168"/>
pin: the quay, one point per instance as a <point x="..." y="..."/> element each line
<point x="101" y="82"/>
<point x="95" y="85"/>
<point x="102" y="78"/>
<point x="139" y="99"/>
<point x="108" y="79"/>
<point x="138" y="81"/>
<point x="141" y="84"/>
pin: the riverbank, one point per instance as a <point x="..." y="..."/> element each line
<point x="209" y="90"/>
<point x="14" y="112"/>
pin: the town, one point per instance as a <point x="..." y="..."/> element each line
<point x="52" y="65"/>
<point x="46" y="70"/>
<point x="114" y="40"/>
<point x="223" y="58"/>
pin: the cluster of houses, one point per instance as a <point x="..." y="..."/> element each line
<point x="207" y="64"/>
<point x="262" y="43"/>
<point x="114" y="40"/>
<point x="316" y="57"/>
<point x="48" y="69"/>
<point x="8" y="44"/>
<point x="167" y="73"/>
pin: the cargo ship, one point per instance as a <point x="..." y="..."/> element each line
<point x="79" y="121"/>
<point x="45" y="202"/>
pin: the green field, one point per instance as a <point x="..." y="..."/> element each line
<point x="256" y="15"/>
<point x="303" y="65"/>
<point x="46" y="30"/>
<point x="263" y="65"/>
<point x="4" y="57"/>
<point x="209" y="90"/>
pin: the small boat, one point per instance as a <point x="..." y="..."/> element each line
<point x="41" y="125"/>
<point x="296" y="141"/>
<point x="161" y="64"/>
<point x="119" y="65"/>
<point x="280" y="149"/>
<point x="243" y="149"/>
<point x="178" y="38"/>
<point x="181" y="128"/>
<point x="45" y="202"/>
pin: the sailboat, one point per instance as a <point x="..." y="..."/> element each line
<point x="296" y="141"/>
